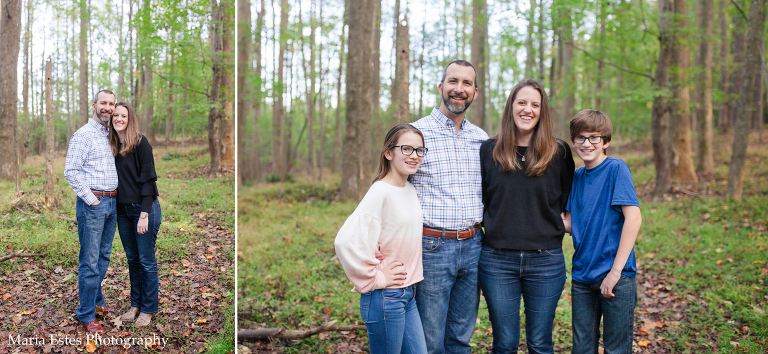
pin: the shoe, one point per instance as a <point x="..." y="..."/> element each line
<point x="94" y="327"/>
<point x="130" y="315"/>
<point x="104" y="310"/>
<point x="143" y="320"/>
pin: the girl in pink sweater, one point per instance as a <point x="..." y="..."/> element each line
<point x="379" y="247"/>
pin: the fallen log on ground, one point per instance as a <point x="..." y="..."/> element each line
<point x="282" y="333"/>
<point x="19" y="253"/>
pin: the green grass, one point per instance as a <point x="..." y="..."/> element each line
<point x="707" y="253"/>
<point x="183" y="191"/>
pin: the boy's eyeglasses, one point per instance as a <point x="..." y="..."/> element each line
<point x="408" y="150"/>
<point x="594" y="139"/>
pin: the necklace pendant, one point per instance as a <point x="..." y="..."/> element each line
<point x="523" y="158"/>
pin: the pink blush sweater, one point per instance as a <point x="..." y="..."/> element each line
<point x="389" y="220"/>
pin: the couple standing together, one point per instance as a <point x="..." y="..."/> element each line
<point x="416" y="237"/>
<point x="111" y="169"/>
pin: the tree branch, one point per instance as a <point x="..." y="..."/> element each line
<point x="267" y="333"/>
<point x="19" y="254"/>
<point x="73" y="220"/>
<point x="740" y="10"/>
<point x="182" y="86"/>
<point x="613" y="65"/>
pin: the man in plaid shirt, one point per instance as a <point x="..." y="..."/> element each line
<point x="90" y="170"/>
<point x="448" y="184"/>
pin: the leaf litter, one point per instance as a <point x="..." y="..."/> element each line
<point x="38" y="304"/>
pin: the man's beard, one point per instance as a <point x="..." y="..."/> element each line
<point x="109" y="116"/>
<point x="456" y="108"/>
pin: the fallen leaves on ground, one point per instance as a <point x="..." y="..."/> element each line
<point x="41" y="302"/>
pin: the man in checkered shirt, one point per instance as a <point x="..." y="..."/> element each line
<point x="90" y="170"/>
<point x="448" y="184"/>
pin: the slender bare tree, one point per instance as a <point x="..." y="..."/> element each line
<point x="49" y="186"/>
<point x="10" y="35"/>
<point x="706" y="164"/>
<point x="746" y="102"/>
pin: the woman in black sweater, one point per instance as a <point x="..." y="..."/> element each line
<point x="527" y="176"/>
<point x="138" y="211"/>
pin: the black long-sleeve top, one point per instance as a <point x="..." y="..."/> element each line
<point x="136" y="176"/>
<point x="522" y="212"/>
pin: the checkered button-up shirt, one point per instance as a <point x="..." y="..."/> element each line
<point x="448" y="182"/>
<point x="90" y="164"/>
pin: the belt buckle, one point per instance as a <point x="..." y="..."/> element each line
<point x="458" y="238"/>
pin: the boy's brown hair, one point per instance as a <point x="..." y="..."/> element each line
<point x="590" y="120"/>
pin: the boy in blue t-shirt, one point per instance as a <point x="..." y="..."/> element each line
<point x="603" y="216"/>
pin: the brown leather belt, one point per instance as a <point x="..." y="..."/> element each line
<point x="454" y="234"/>
<point x="105" y="194"/>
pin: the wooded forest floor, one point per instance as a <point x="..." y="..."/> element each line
<point x="702" y="264"/>
<point x="195" y="251"/>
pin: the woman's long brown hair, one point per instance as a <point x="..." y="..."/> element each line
<point x="543" y="147"/>
<point x="389" y="143"/>
<point x="132" y="135"/>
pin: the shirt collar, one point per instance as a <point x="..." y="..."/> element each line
<point x="96" y="125"/>
<point x="442" y="119"/>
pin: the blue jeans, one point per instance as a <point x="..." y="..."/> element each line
<point x="95" y="230"/>
<point x="448" y="296"/>
<point x="140" y="252"/>
<point x="392" y="320"/>
<point x="537" y="276"/>
<point x="618" y="315"/>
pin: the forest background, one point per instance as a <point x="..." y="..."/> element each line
<point x="170" y="59"/>
<point x="321" y="81"/>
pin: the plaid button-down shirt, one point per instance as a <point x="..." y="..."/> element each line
<point x="448" y="182"/>
<point x="90" y="164"/>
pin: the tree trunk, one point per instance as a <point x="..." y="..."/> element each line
<point x="479" y="30"/>
<point x="148" y="105"/>
<point x="121" y="59"/>
<point x="541" y="42"/>
<point x="321" y="100"/>
<point x="338" y="148"/>
<point x="746" y="103"/>
<point x="706" y="164"/>
<point x="256" y="157"/>
<point x="680" y="121"/>
<point x="85" y="18"/>
<point x="217" y="73"/>
<point x="169" y="108"/>
<point x="227" y="85"/>
<point x="49" y="186"/>
<point x="600" y="63"/>
<point x="400" y="96"/>
<point x="311" y="95"/>
<point x="243" y="66"/>
<point x="722" y="115"/>
<point x="738" y="67"/>
<point x="278" y="110"/>
<point x="10" y="34"/>
<point x="356" y="172"/>
<point x="568" y="78"/>
<point x="661" y="107"/>
<point x="530" y="53"/>
<point x="23" y="143"/>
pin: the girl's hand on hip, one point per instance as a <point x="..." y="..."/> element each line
<point x="141" y="228"/>
<point x="395" y="274"/>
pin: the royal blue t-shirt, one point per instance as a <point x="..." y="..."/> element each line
<point x="596" y="219"/>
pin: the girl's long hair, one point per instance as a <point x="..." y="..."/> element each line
<point x="389" y="143"/>
<point x="132" y="135"/>
<point x="543" y="147"/>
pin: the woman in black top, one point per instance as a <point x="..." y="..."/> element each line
<point x="138" y="211"/>
<point x="527" y="176"/>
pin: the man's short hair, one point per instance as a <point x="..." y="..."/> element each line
<point x="96" y="96"/>
<point x="459" y="62"/>
<point x="590" y="120"/>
